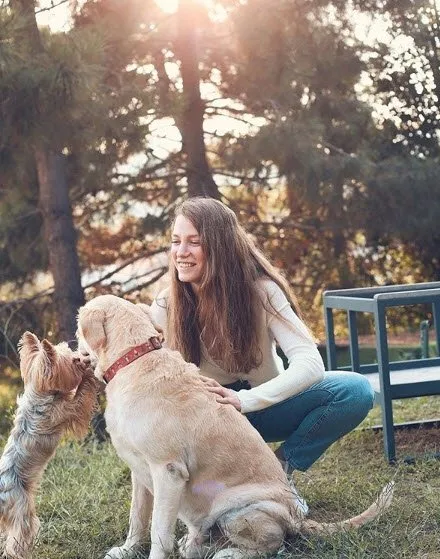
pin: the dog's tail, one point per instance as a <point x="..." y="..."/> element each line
<point x="379" y="506"/>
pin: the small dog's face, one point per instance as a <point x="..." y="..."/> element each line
<point x="49" y="368"/>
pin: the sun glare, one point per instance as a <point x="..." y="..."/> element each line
<point x="57" y="18"/>
<point x="169" y="6"/>
<point x="215" y="9"/>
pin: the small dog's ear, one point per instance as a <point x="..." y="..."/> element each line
<point x="28" y="348"/>
<point x="92" y="322"/>
<point x="49" y="350"/>
<point x="29" y="341"/>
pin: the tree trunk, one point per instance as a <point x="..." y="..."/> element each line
<point x="60" y="239"/>
<point x="199" y="175"/>
<point x="54" y="203"/>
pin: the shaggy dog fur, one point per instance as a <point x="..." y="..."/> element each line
<point x="203" y="460"/>
<point x="59" y="396"/>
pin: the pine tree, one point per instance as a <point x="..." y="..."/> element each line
<point x="39" y="87"/>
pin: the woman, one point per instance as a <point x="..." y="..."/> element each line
<point x="225" y="310"/>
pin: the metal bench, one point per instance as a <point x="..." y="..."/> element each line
<point x="390" y="380"/>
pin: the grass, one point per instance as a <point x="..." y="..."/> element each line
<point x="84" y="499"/>
<point x="85" y="496"/>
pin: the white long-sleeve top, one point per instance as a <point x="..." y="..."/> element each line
<point x="270" y="382"/>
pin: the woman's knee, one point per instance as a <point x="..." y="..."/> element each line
<point x="352" y="390"/>
<point x="360" y="393"/>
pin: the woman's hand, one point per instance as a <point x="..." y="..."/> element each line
<point x="223" y="395"/>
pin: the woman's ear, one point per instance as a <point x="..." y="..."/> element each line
<point x="92" y="327"/>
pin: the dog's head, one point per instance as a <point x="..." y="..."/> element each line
<point x="48" y="368"/>
<point x="146" y="310"/>
<point x="109" y="325"/>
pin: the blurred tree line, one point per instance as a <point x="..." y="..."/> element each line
<point x="323" y="139"/>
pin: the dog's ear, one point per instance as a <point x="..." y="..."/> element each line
<point x="28" y="348"/>
<point x="92" y="327"/>
<point x="146" y="309"/>
<point x="49" y="350"/>
<point x="28" y="342"/>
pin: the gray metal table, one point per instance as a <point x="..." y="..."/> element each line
<point x="390" y="380"/>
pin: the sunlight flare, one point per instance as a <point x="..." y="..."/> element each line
<point x="171" y="6"/>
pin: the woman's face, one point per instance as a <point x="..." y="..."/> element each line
<point x="186" y="251"/>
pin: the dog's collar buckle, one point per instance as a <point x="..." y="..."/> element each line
<point x="130" y="356"/>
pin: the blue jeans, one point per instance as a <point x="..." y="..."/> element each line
<point x="311" y="421"/>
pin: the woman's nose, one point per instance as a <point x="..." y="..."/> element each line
<point x="183" y="249"/>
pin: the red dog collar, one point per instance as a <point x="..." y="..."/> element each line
<point x="130" y="356"/>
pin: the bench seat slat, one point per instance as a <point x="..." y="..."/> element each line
<point x="423" y="381"/>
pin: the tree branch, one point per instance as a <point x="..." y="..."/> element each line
<point x="144" y="254"/>
<point x="49" y="291"/>
<point x="52" y="6"/>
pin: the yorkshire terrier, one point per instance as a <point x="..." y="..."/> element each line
<point x="59" y="396"/>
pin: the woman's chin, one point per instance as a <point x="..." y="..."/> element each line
<point x="185" y="277"/>
<point x="188" y="278"/>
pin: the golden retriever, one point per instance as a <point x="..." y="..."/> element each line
<point x="203" y="461"/>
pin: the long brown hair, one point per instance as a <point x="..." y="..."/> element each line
<point x="224" y="314"/>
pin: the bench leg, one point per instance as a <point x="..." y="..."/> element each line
<point x="388" y="428"/>
<point x="384" y="379"/>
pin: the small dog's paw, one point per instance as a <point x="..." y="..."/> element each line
<point x="82" y="361"/>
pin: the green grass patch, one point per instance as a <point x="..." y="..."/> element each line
<point x="84" y="501"/>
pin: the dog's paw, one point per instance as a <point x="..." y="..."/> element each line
<point x="192" y="548"/>
<point x="230" y="553"/>
<point x="185" y="548"/>
<point x="82" y="361"/>
<point x="119" y="553"/>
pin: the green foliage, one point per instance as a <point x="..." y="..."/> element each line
<point x="43" y="95"/>
<point x="329" y="191"/>
<point x="406" y="78"/>
<point x="39" y="92"/>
